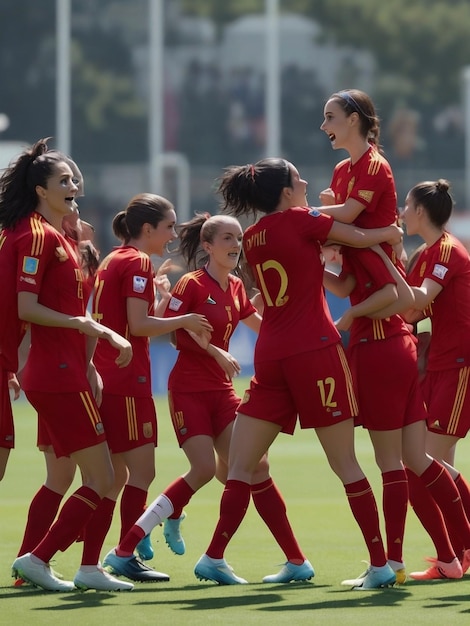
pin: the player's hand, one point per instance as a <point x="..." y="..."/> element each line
<point x="197" y="323"/>
<point x="396" y="235"/>
<point x="96" y="383"/>
<point x="344" y="322"/>
<point x="327" y="197"/>
<point x="14" y="385"/>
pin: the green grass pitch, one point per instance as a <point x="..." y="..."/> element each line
<point x="320" y="517"/>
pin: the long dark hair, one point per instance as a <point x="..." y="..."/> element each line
<point x="436" y="200"/>
<point x="33" y="167"/>
<point x="247" y="189"/>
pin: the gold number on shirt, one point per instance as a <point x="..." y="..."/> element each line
<point x="327" y="390"/>
<point x="281" y="297"/>
<point x="99" y="284"/>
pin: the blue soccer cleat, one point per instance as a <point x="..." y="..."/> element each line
<point x="132" y="568"/>
<point x="217" y="570"/>
<point x="291" y="572"/>
<point x="144" y="549"/>
<point x="172" y="534"/>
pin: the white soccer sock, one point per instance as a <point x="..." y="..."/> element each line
<point x="159" y="510"/>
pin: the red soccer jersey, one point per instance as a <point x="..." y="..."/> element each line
<point x="12" y="329"/>
<point x="48" y="266"/>
<point x="283" y="251"/>
<point x="124" y="273"/>
<point x="447" y="263"/>
<point x="371" y="275"/>
<point x="198" y="292"/>
<point x="370" y="182"/>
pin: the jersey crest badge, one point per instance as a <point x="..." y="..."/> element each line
<point x="314" y="213"/>
<point x="365" y="195"/>
<point x="439" y="271"/>
<point x="175" y="304"/>
<point x="30" y="265"/>
<point x="138" y="284"/>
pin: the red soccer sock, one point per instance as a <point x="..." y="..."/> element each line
<point x="42" y="512"/>
<point x="464" y="490"/>
<point x="233" y="505"/>
<point x="395" y="505"/>
<point x="364" y="508"/>
<point x="446" y="494"/>
<point x="430" y="516"/>
<point x="94" y="533"/>
<point x="179" y="493"/>
<point x="133" y="502"/>
<point x="270" y="505"/>
<point x="75" y="513"/>
<point x="127" y="546"/>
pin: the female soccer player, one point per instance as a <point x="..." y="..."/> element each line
<point x="300" y="366"/>
<point x="124" y="300"/>
<point x="440" y="282"/>
<point x="203" y="402"/>
<point x="36" y="192"/>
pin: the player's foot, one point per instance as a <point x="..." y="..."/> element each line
<point x="400" y="571"/>
<point x="172" y="534"/>
<point x="372" y="578"/>
<point x="100" y="580"/>
<point x="39" y="574"/>
<point x="290" y="572"/>
<point x="465" y="561"/>
<point x="439" y="570"/>
<point x="144" y="549"/>
<point x="217" y="570"/>
<point x="131" y="567"/>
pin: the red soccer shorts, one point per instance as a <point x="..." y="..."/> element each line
<point x="129" y="422"/>
<point x="202" y="412"/>
<point x="71" y="421"/>
<point x="7" y="429"/>
<point x="385" y="375"/>
<point x="316" y="386"/>
<point x="447" y="397"/>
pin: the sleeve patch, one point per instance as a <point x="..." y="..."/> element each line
<point x="139" y="283"/>
<point x="314" y="213"/>
<point x="365" y="195"/>
<point x="175" y="304"/>
<point x="30" y="265"/>
<point x="439" y="271"/>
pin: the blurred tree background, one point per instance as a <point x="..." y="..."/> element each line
<point x="408" y="56"/>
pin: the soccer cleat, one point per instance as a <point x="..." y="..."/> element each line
<point x="217" y="570"/>
<point x="400" y="576"/>
<point x="439" y="570"/>
<point x="131" y="567"/>
<point x="465" y="561"/>
<point x="39" y="574"/>
<point x="101" y="581"/>
<point x="19" y="582"/>
<point x="172" y="534"/>
<point x="354" y="582"/>
<point x="290" y="572"/>
<point x="144" y="549"/>
<point x="377" y="578"/>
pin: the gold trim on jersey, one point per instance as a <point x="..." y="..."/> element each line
<point x="375" y="163"/>
<point x="37" y="230"/>
<point x="349" y="382"/>
<point x="2" y="239"/>
<point x="185" y="280"/>
<point x="458" y="400"/>
<point x="132" y="430"/>
<point x="378" y="329"/>
<point x="445" y="249"/>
